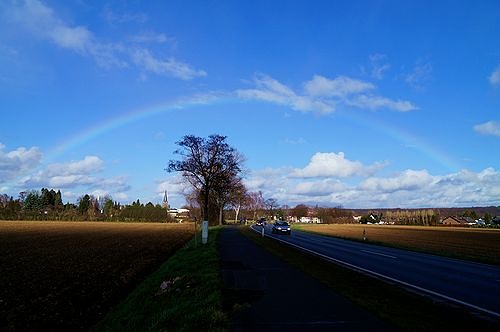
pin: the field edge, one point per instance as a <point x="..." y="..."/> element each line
<point x="184" y="294"/>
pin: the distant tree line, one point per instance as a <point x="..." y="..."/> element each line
<point x="423" y="217"/>
<point x="48" y="205"/>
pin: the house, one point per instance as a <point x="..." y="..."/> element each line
<point x="451" y="220"/>
<point x="179" y="213"/>
<point x="310" y="220"/>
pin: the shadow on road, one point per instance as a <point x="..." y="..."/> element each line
<point x="265" y="293"/>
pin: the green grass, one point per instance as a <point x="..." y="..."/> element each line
<point x="405" y="310"/>
<point x="193" y="301"/>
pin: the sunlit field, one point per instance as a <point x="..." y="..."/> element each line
<point x="472" y="243"/>
<point x="67" y="275"/>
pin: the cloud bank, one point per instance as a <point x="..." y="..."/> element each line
<point x="81" y="175"/>
<point x="331" y="180"/>
<point x="488" y="128"/>
<point x="322" y="94"/>
<point x="14" y="163"/>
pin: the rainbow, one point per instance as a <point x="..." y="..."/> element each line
<point x="135" y="115"/>
<point x="407" y="139"/>
<point x="129" y="117"/>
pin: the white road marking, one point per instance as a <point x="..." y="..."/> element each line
<point x="377" y="253"/>
<point x="358" y="268"/>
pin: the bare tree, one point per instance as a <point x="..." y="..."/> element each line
<point x="238" y="198"/>
<point x="255" y="202"/>
<point x="207" y="164"/>
<point x="300" y="210"/>
<point x="271" y="204"/>
<point x="225" y="191"/>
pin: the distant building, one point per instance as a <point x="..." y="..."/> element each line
<point x="165" y="204"/>
<point x="451" y="220"/>
<point x="174" y="212"/>
<point x="308" y="220"/>
<point x="179" y="213"/>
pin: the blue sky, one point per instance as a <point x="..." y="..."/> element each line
<point x="359" y="103"/>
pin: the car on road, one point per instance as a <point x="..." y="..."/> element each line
<point x="261" y="222"/>
<point x="281" y="227"/>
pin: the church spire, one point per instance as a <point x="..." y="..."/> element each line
<point x="165" y="201"/>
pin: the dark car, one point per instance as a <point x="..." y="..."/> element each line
<point x="261" y="222"/>
<point x="281" y="227"/>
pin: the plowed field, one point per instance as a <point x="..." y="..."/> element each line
<point x="471" y="243"/>
<point x="66" y="275"/>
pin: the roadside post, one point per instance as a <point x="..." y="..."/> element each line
<point x="263" y="231"/>
<point x="204" y="232"/>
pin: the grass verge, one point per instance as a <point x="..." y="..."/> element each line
<point x="405" y="310"/>
<point x="184" y="294"/>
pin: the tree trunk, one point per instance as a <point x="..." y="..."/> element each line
<point x="237" y="211"/>
<point x="221" y="214"/>
<point x="205" y="203"/>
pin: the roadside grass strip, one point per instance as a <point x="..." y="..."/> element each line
<point x="184" y="294"/>
<point x="406" y="310"/>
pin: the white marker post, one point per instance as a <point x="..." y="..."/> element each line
<point x="204" y="232"/>
<point x="263" y="231"/>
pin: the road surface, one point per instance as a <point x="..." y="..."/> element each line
<point x="473" y="285"/>
<point x="274" y="296"/>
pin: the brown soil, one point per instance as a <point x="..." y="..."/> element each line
<point x="470" y="243"/>
<point x="66" y="275"/>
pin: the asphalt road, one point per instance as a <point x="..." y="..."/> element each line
<point x="268" y="294"/>
<point x="473" y="285"/>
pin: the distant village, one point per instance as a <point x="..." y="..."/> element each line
<point x="47" y="205"/>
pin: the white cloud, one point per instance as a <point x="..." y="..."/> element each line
<point x="269" y="89"/>
<point x="409" y="188"/>
<point x="294" y="141"/>
<point x="144" y="59"/>
<point x="323" y="187"/>
<point x="420" y="75"/>
<point x="43" y="22"/>
<point x="113" y="17"/>
<point x="14" y="163"/>
<point x="377" y="102"/>
<point x="340" y="86"/>
<point x="322" y="95"/>
<point x="113" y="184"/>
<point x="176" y="188"/>
<point x="495" y="76"/>
<point x="379" y="66"/>
<point x="407" y="180"/>
<point x="335" y="165"/>
<point x="151" y="37"/>
<point x="89" y="164"/>
<point x="83" y="173"/>
<point x="40" y="20"/>
<point x="488" y="128"/>
<point x="120" y="196"/>
<point x="67" y="175"/>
